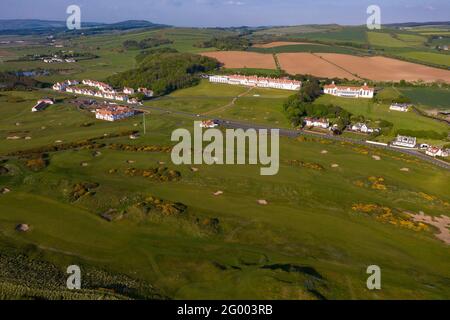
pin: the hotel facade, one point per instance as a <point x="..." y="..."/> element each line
<point x="254" y="81"/>
<point x="349" y="92"/>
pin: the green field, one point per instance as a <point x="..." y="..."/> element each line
<point x="429" y="98"/>
<point x="430" y="57"/>
<point x="374" y="111"/>
<point x="310" y="241"/>
<point x="307" y="48"/>
<point x="307" y="221"/>
<point x="258" y="105"/>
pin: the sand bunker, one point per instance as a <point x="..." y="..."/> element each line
<point x="242" y="59"/>
<point x="377" y="158"/>
<point x="442" y="223"/>
<point x="218" y="193"/>
<point x="263" y="202"/>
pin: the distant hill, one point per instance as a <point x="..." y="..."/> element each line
<point x="24" y="24"/>
<point x="35" y="26"/>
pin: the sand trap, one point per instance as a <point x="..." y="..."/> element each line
<point x="13" y="138"/>
<point x="84" y="164"/>
<point x="4" y="190"/>
<point x="335" y="165"/>
<point x="131" y="161"/>
<point x="263" y="202"/>
<point x="218" y="193"/>
<point x="307" y="63"/>
<point x="22" y="227"/>
<point x="242" y="59"/>
<point x="377" y="158"/>
<point x="442" y="223"/>
<point x="194" y="169"/>
<point x="324" y="152"/>
<point x="283" y="43"/>
<point x="58" y="141"/>
<point x="404" y="169"/>
<point x="27" y="138"/>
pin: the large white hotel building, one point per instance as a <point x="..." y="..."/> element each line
<point x="349" y="92"/>
<point x="254" y="81"/>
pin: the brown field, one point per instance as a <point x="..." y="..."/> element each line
<point x="281" y="44"/>
<point x="386" y="69"/>
<point x="6" y="53"/>
<point x="241" y="59"/>
<point x="307" y="63"/>
<point x="333" y="65"/>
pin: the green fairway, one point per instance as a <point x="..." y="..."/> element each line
<point x="142" y="227"/>
<point x="257" y="105"/>
<point x="307" y="221"/>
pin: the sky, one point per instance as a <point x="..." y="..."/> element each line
<point x="226" y="13"/>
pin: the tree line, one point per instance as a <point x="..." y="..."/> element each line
<point x="164" y="72"/>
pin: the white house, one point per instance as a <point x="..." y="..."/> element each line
<point x="128" y="90"/>
<point x="147" y="92"/>
<point x="113" y="113"/>
<point x="319" y="123"/>
<point x="59" y="86"/>
<point x="41" y="105"/>
<point x="364" y="128"/>
<point x="436" y="152"/>
<point x="405" y="141"/>
<point x="349" y="91"/>
<point x="255" y="81"/>
<point x="208" y="124"/>
<point x="402" y="107"/>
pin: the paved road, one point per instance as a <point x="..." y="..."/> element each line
<point x="295" y="133"/>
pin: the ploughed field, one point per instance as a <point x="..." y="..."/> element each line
<point x="119" y="207"/>
<point x="333" y="65"/>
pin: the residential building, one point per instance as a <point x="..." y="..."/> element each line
<point x="128" y="90"/>
<point x="364" y="128"/>
<point x="41" y="105"/>
<point x="402" y="107"/>
<point x="114" y="113"/>
<point x="405" y="141"/>
<point x="208" y="124"/>
<point x="255" y="81"/>
<point x="436" y="152"/>
<point x="315" y="122"/>
<point x="147" y="92"/>
<point x="349" y="91"/>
